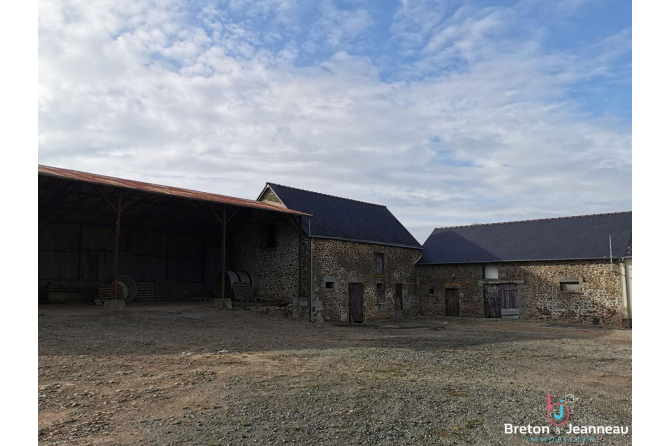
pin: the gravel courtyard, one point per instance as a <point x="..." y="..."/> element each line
<point x="188" y="374"/>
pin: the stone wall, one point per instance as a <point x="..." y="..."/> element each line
<point x="277" y="267"/>
<point x="598" y="300"/>
<point x="270" y="197"/>
<point x="465" y="278"/>
<point x="540" y="297"/>
<point x="343" y="262"/>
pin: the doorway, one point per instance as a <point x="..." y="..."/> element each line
<point x="399" y="301"/>
<point x="356" y="307"/>
<point x="452" y="304"/>
<point x="501" y="301"/>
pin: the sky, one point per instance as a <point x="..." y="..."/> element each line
<point x="447" y="112"/>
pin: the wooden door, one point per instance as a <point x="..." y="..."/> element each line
<point x="399" y="303"/>
<point x="356" y="307"/>
<point x="491" y="301"/>
<point x="509" y="303"/>
<point x="451" y="297"/>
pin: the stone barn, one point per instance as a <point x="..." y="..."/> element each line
<point x="576" y="269"/>
<point x="340" y="259"/>
<point x="320" y="257"/>
<point x="361" y="258"/>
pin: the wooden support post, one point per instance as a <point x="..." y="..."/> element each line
<point x="116" y="248"/>
<point x="223" y="254"/>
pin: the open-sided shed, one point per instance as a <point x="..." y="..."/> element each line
<point x="93" y="228"/>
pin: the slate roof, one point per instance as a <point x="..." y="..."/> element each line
<point x="342" y="218"/>
<point x="566" y="238"/>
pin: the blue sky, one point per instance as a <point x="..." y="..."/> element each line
<point x="447" y="112"/>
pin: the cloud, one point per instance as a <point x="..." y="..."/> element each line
<point x="478" y="125"/>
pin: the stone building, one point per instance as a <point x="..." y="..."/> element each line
<point x="575" y="269"/>
<point x="356" y="262"/>
<point x="320" y="257"/>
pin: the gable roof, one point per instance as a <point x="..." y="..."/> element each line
<point x="565" y="238"/>
<point x="345" y="219"/>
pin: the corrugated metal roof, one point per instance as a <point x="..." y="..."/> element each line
<point x="566" y="238"/>
<point x="159" y="189"/>
<point x="346" y="219"/>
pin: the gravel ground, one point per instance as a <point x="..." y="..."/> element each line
<point x="187" y="374"/>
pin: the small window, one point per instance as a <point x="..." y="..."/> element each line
<point x="379" y="263"/>
<point x="271" y="236"/>
<point x="380" y="287"/>
<point x="570" y="287"/>
<point x="431" y="290"/>
<point x="490" y="271"/>
<point x="330" y="285"/>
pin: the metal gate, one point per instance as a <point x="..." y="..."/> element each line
<point x="451" y="297"/>
<point x="356" y="307"/>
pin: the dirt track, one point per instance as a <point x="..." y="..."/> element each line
<point x="190" y="374"/>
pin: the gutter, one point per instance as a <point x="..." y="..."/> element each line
<point x="371" y="242"/>
<point x="476" y="262"/>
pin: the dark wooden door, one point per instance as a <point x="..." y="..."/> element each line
<point x="451" y="296"/>
<point x="509" y="302"/>
<point x="491" y="301"/>
<point x="356" y="307"/>
<point x="399" y="303"/>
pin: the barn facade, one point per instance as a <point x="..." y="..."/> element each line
<point x="320" y="257"/>
<point x="576" y="269"/>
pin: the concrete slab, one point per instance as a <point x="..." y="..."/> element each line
<point x="114" y="305"/>
<point x="223" y="303"/>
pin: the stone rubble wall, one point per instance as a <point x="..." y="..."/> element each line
<point x="277" y="268"/>
<point x="599" y="299"/>
<point x="345" y="262"/>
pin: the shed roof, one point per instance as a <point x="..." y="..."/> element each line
<point x="565" y="238"/>
<point x="158" y="189"/>
<point x="346" y="219"/>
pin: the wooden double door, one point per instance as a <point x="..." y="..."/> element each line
<point x="501" y="300"/>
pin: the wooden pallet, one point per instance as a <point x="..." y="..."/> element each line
<point x="106" y="291"/>
<point x="164" y="290"/>
<point x="146" y="291"/>
<point x="242" y="291"/>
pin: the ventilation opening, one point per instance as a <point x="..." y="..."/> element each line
<point x="330" y="285"/>
<point x="271" y="236"/>
<point x="570" y="287"/>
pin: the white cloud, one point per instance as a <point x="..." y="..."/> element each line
<point x="140" y="90"/>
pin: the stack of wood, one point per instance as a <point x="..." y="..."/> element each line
<point x="105" y="291"/>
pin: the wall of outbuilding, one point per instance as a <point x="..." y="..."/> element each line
<point x="438" y="278"/>
<point x="599" y="299"/>
<point x="276" y="267"/>
<point x="345" y="262"/>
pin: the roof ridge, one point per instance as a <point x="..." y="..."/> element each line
<point x="327" y="195"/>
<point x="534" y="219"/>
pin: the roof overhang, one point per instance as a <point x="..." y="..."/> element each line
<point x="156" y="189"/>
